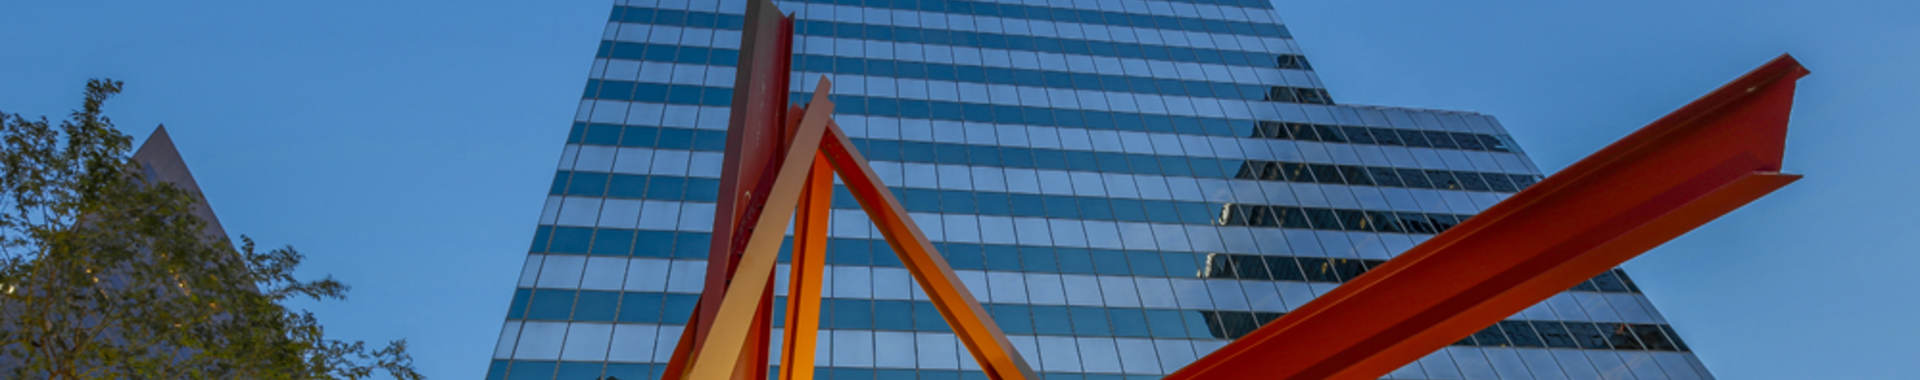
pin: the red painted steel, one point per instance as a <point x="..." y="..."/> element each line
<point x="756" y="131"/>
<point x="1677" y="173"/>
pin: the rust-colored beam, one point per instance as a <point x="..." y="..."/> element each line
<point x="963" y="313"/>
<point x="1677" y="173"/>
<point x="805" y="277"/>
<point x="756" y="130"/>
<point x="720" y="353"/>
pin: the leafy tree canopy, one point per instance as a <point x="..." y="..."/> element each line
<point x="107" y="274"/>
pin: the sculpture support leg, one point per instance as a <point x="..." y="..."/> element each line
<point x="804" y="279"/>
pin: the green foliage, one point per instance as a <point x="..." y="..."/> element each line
<point x="107" y="274"/>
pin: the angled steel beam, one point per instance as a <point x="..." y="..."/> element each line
<point x="806" y="269"/>
<point x="802" y="185"/>
<point x="963" y="313"/>
<point x="720" y="353"/>
<point x="1683" y="170"/>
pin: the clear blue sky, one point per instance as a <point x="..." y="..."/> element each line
<point x="406" y="147"/>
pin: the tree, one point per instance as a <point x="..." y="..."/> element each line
<point x="107" y="274"/>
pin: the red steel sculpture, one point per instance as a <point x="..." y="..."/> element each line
<point x="1683" y="170"/>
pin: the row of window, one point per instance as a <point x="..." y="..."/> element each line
<point x="1079" y="321"/>
<point x="962" y="39"/>
<point x="626" y="90"/>
<point x="573" y="370"/>
<point x="610" y="134"/>
<point x="1256" y="4"/>
<point x="1319" y="269"/>
<point x="1011" y="258"/>
<point x="1128" y="163"/>
<point x="1045" y="116"/>
<point x="1124" y="121"/>
<point x="1083" y="161"/>
<point x="1047" y="206"/>
<point x="1043" y="78"/>
<point x="1382" y="176"/>
<point x="1413" y="138"/>
<point x="1084" y="16"/>
<point x="962" y="73"/>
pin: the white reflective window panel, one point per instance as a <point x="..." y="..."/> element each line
<point x="561" y="271"/>
<point x="659" y="215"/>
<point x="1098" y="354"/>
<point x="1155" y="292"/>
<point x="595" y="158"/>
<point x="1608" y="363"/>
<point x="1174" y="353"/>
<point x="1137" y="356"/>
<point x="540" y="341"/>
<point x="976" y="283"/>
<point x="632" y="343"/>
<point x="850" y="282"/>
<point x="696" y="217"/>
<point x="1472" y="363"/>
<point x="1118" y="291"/>
<point x="1227" y="294"/>
<point x="1058" y="354"/>
<point x="1676" y="365"/>
<point x="687" y="276"/>
<point x="530" y="272"/>
<point x="1541" y="363"/>
<point x="1439" y="365"/>
<point x="1045" y="289"/>
<point x="647" y="275"/>
<point x="587" y="341"/>
<point x="852" y="348"/>
<point x="604" y="273"/>
<point x="1006" y="287"/>
<point x="579" y="212"/>
<point x="1642" y="365"/>
<point x="1100" y="234"/>
<point x="509" y="336"/>
<point x="1067" y="233"/>
<point x="893" y="349"/>
<point x="893" y="284"/>
<point x="668" y="337"/>
<point x="1191" y="293"/>
<point x="551" y="210"/>
<point x="938" y="350"/>
<point x="619" y="213"/>
<point x="1082" y="290"/>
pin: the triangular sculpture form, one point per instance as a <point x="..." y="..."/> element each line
<point x="1683" y="170"/>
<point x="779" y="167"/>
<point x="801" y="192"/>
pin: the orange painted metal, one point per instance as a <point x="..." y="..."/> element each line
<point x="805" y="272"/>
<point x="775" y="167"/>
<point x="1677" y="173"/>
<point x="803" y="187"/>
<point x="976" y="330"/>
<point x="746" y="291"/>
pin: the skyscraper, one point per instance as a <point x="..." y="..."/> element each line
<point x="1125" y="184"/>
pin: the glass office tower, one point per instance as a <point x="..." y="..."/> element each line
<point x="1126" y="185"/>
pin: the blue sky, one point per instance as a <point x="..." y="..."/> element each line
<point x="406" y="146"/>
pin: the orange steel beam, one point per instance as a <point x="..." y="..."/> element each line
<point x="805" y="273"/>
<point x="801" y="177"/>
<point x="719" y="354"/>
<point x="1685" y="169"/>
<point x="963" y="313"/>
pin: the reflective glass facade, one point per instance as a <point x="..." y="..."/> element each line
<point x="1125" y="184"/>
